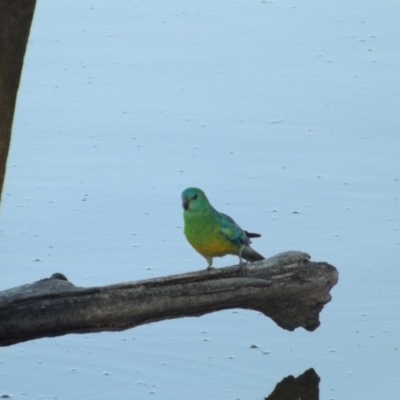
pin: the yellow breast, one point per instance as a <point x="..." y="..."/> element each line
<point x="215" y="247"/>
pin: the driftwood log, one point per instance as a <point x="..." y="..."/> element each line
<point x="288" y="288"/>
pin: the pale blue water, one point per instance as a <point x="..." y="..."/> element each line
<point x="270" y="107"/>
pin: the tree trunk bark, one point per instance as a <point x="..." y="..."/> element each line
<point x="15" y="24"/>
<point x="288" y="288"/>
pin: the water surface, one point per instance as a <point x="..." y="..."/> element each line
<point x="286" y="114"/>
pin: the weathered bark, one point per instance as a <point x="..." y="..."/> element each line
<point x="15" y="24"/>
<point x="288" y="288"/>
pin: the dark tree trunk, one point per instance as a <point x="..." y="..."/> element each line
<point x="15" y="23"/>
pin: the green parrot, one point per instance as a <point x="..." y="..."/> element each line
<point x="212" y="233"/>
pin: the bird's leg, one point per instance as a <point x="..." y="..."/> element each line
<point x="242" y="264"/>
<point x="210" y="261"/>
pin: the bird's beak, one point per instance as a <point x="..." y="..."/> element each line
<point x="185" y="203"/>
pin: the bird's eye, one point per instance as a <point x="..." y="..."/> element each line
<point x="195" y="197"/>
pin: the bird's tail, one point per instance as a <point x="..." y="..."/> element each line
<point x="251" y="255"/>
<point x="252" y="235"/>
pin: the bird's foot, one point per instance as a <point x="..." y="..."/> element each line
<point x="209" y="268"/>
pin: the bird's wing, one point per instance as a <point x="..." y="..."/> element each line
<point x="232" y="230"/>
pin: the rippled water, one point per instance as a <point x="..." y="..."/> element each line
<point x="286" y="114"/>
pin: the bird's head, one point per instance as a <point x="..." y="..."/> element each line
<point x="194" y="199"/>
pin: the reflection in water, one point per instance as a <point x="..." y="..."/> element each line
<point x="304" y="387"/>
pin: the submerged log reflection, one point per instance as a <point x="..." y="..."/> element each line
<point x="304" y="387"/>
